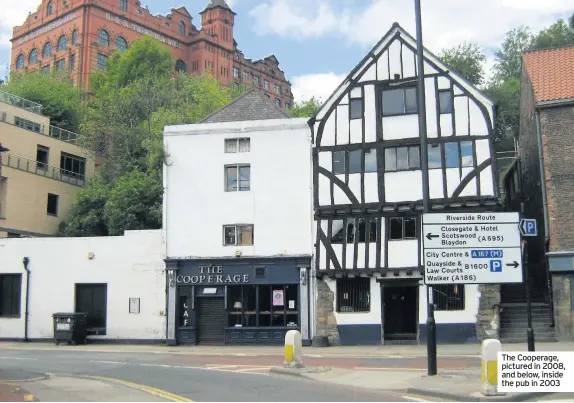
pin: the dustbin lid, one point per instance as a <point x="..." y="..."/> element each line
<point x="60" y="314"/>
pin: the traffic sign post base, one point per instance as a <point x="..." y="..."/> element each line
<point x="431" y="338"/>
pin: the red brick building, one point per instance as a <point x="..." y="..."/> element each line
<point x="79" y="35"/>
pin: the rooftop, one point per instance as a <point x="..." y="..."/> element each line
<point x="19" y="102"/>
<point x="551" y="72"/>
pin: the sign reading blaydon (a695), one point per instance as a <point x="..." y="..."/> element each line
<point x="472" y="248"/>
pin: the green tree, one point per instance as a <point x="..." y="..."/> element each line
<point x="558" y="34"/>
<point x="508" y="59"/>
<point x="305" y="109"/>
<point x="466" y="59"/>
<point x="85" y="217"/>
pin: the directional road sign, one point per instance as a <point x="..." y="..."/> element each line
<point x="471" y="248"/>
<point x="528" y="227"/>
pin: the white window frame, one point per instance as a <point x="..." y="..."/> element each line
<point x="238" y="142"/>
<point x="236" y="231"/>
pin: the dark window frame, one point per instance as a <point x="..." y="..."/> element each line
<point x="237" y="234"/>
<point x="57" y="200"/>
<point x="404" y="90"/>
<point x="410" y="166"/>
<point x="358" y="111"/>
<point x="80" y="161"/>
<point x="449" y="297"/>
<point x="404" y="236"/>
<point x="451" y="100"/>
<point x="39" y="164"/>
<point x="361" y="300"/>
<point x="347" y="156"/>
<point x="12" y="282"/>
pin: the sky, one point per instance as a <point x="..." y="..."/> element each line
<point x="318" y="42"/>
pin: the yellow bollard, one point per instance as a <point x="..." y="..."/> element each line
<point x="489" y="372"/>
<point x="293" y="349"/>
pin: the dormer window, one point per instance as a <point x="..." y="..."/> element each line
<point x="49" y="8"/>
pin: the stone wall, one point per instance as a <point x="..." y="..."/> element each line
<point x="562" y="292"/>
<point x="324" y="312"/>
<point x="488" y="317"/>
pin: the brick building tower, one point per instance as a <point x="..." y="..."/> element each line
<point x="80" y="35"/>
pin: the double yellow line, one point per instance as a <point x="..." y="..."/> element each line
<point x="154" y="391"/>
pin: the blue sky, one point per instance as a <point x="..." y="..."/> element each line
<point x="318" y="42"/>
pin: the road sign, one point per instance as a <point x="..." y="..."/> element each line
<point x="471" y="248"/>
<point x="528" y="227"/>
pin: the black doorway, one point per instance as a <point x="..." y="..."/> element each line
<point x="210" y="321"/>
<point x="400" y="313"/>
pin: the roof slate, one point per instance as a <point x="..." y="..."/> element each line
<point x="551" y="72"/>
<point x="250" y="106"/>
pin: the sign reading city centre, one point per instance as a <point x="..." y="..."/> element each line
<point x="471" y="248"/>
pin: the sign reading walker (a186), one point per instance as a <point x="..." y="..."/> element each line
<point x="471" y="248"/>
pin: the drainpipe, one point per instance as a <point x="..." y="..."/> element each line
<point x="25" y="261"/>
<point x="545" y="210"/>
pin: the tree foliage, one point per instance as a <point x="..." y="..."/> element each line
<point x="305" y="109"/>
<point x="466" y="60"/>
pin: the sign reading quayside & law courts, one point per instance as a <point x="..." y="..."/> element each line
<point x="212" y="275"/>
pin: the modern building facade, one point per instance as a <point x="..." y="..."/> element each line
<point x="42" y="170"/>
<point x="367" y="184"/>
<point x="79" y="36"/>
<point x="543" y="180"/>
<point x="238" y="220"/>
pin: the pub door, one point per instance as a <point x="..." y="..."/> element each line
<point x="210" y="321"/>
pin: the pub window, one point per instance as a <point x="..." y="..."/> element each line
<point x="339" y="162"/>
<point x="353" y="294"/>
<point x="402" y="158"/>
<point x="355" y="158"/>
<point x="371" y="160"/>
<point x="42" y="153"/>
<point x="451" y="155"/>
<point x="356" y="109"/>
<point x="448" y="297"/>
<point x="363" y="228"/>
<point x="445" y="101"/>
<point x="237" y="235"/>
<point x="73" y="165"/>
<point x="278" y="305"/>
<point x="92" y="299"/>
<point x="434" y="156"/>
<point x="402" y="228"/>
<point x="52" y="205"/>
<point x="10" y="295"/>
<point x="237" y="178"/>
<point x="466" y="155"/>
<point x="355" y="161"/>
<point x="241" y="145"/>
<point x="400" y="101"/>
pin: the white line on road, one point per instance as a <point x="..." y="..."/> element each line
<point x="252" y="369"/>
<point x="108" y="362"/>
<point x="18" y="358"/>
<point x="414" y="399"/>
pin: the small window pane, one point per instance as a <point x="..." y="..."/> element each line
<point x="245" y="235"/>
<point x="451" y="155"/>
<point x="445" y="101"/>
<point x="393" y="102"/>
<point x="244" y="178"/>
<point x="434" y="156"/>
<point x="466" y="154"/>
<point x="390" y="159"/>
<point x="371" y="160"/>
<point x="231" y="146"/>
<point x="411" y="100"/>
<point x="373" y="230"/>
<point x="355" y="161"/>
<point x="231" y="178"/>
<point x="410" y="227"/>
<point x="337" y="231"/>
<point x="244" y="145"/>
<point x="356" y="108"/>
<point x="229" y="235"/>
<point x="414" y="157"/>
<point x="350" y="230"/>
<point x="339" y="162"/>
<point x="396" y="228"/>
<point x="402" y="158"/>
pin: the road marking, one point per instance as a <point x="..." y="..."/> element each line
<point x="220" y="366"/>
<point x="154" y="391"/>
<point x="109" y="362"/>
<point x="388" y="369"/>
<point x="252" y="369"/>
<point x="414" y="399"/>
<point x="18" y="358"/>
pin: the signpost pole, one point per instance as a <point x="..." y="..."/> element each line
<point x="431" y="324"/>
<point x="529" y="330"/>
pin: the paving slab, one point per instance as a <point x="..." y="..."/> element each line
<point x="12" y="392"/>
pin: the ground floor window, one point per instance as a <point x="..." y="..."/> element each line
<point x="353" y="294"/>
<point x="263" y="305"/>
<point x="448" y="297"/>
<point x="92" y="299"/>
<point x="10" y="292"/>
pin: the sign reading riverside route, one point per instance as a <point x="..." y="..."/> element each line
<point x="471" y="248"/>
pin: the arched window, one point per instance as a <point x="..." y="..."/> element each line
<point x="20" y="62"/>
<point x="104" y="38"/>
<point x="121" y="44"/>
<point x="62" y="43"/>
<point x="33" y="56"/>
<point x="47" y="52"/>
<point x="180" y="66"/>
<point x="49" y="8"/>
<point x="182" y="28"/>
<point x="75" y="37"/>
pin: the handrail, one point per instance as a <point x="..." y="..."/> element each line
<point x="52" y="131"/>
<point x="34" y="167"/>
<point x="20" y="102"/>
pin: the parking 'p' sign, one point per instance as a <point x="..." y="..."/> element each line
<point x="528" y="227"/>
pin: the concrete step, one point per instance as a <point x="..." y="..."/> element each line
<point x="523" y="339"/>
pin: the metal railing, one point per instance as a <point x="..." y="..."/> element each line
<point x="52" y="131"/>
<point x="41" y="169"/>
<point x="20" y="102"/>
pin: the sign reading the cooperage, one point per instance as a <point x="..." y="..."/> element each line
<point x="142" y="30"/>
<point x="54" y="24"/>
<point x="213" y="275"/>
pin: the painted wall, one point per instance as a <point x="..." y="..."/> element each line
<point x="131" y="265"/>
<point x="196" y="205"/>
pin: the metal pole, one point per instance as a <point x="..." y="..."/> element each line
<point x="529" y="330"/>
<point x="431" y="324"/>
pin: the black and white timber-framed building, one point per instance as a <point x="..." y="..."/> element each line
<point x="367" y="184"/>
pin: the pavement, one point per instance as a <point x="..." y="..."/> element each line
<point x="363" y="373"/>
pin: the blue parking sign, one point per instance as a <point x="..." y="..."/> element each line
<point x="496" y="266"/>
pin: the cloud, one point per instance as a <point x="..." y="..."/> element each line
<point x="318" y="85"/>
<point x="14" y="13"/>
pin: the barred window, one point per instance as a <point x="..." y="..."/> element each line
<point x="448" y="297"/>
<point x="353" y="294"/>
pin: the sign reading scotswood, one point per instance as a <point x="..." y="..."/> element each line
<point x="470" y="248"/>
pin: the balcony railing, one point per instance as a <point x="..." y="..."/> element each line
<point x="20" y="102"/>
<point x="47" y="171"/>
<point x="52" y="131"/>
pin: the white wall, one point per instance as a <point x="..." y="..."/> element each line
<point x="132" y="266"/>
<point x="372" y="317"/>
<point x="279" y="204"/>
<point x="468" y="315"/>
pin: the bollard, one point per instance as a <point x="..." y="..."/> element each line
<point x="489" y="373"/>
<point x="293" y="349"/>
